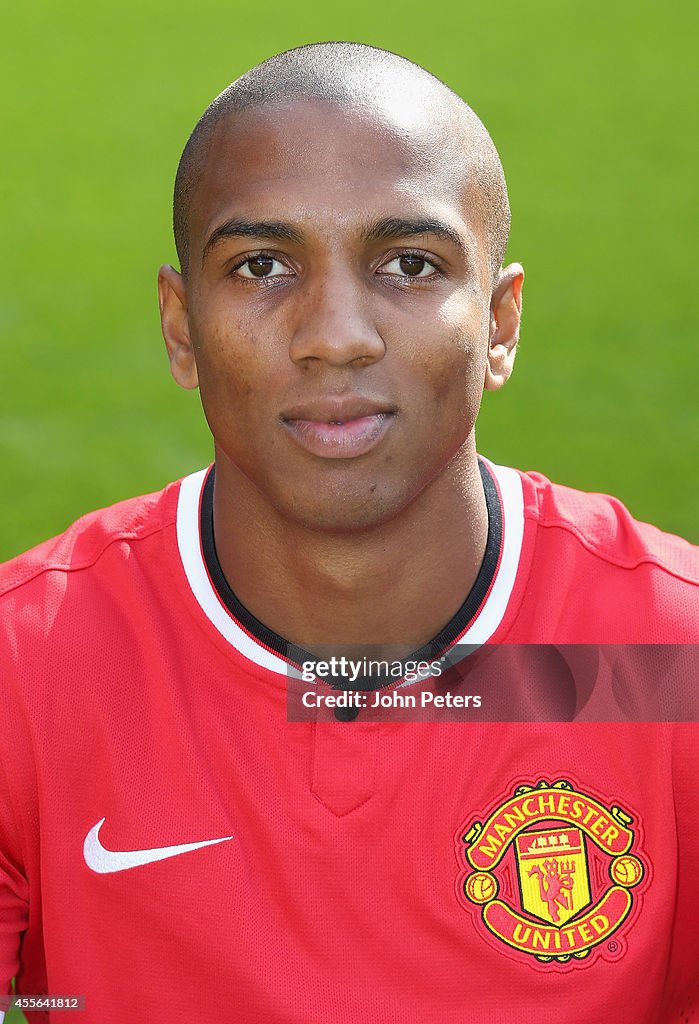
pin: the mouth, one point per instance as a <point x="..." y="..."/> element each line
<point x="339" y="428"/>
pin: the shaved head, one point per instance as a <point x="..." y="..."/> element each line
<point x="375" y="83"/>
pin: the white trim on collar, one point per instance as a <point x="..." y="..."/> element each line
<point x="479" y="632"/>
<point x="493" y="610"/>
<point x="189" y="543"/>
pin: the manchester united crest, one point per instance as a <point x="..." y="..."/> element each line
<point x="552" y="875"/>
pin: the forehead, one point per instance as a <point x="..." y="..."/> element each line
<point x="328" y="167"/>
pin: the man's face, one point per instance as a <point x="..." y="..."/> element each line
<point x="338" y="307"/>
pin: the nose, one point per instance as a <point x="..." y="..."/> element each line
<point x="334" y="323"/>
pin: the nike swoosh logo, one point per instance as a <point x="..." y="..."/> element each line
<point x="104" y="862"/>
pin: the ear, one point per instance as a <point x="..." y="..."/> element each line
<point x="505" y="317"/>
<point x="172" y="299"/>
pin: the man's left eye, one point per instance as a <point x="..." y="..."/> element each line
<point x="409" y="265"/>
<point x="262" y="266"/>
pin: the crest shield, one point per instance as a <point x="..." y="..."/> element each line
<point x="553" y="874"/>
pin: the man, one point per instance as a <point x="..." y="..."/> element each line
<point x="173" y="846"/>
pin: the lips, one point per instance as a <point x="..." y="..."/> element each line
<point x="339" y="428"/>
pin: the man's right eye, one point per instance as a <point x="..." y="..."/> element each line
<point x="262" y="266"/>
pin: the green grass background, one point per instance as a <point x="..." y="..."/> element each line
<point x="592" y="107"/>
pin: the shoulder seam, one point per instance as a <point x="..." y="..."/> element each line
<point x="59" y="567"/>
<point x="605" y="556"/>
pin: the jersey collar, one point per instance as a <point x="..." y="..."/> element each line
<point x="474" y="624"/>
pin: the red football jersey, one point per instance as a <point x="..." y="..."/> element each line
<point x="173" y="848"/>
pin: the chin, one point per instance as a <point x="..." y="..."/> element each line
<point x="343" y="513"/>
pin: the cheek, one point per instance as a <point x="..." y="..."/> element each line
<point x="229" y="359"/>
<point x="465" y="315"/>
<point x="458" y="361"/>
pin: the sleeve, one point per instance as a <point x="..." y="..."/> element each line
<point x="682" y="984"/>
<point x="14" y="759"/>
<point x="14" y="888"/>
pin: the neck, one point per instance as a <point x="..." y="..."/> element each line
<point x="398" y="582"/>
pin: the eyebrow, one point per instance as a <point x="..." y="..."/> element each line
<point x="238" y="228"/>
<point x="389" y="228"/>
<point x="385" y="229"/>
